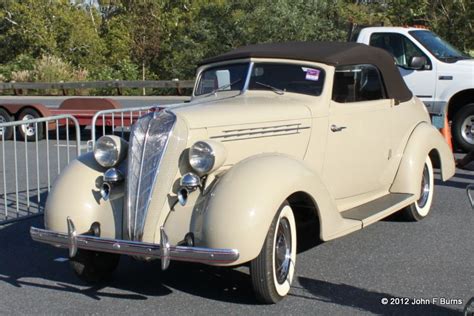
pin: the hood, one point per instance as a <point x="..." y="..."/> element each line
<point x="249" y="108"/>
<point x="465" y="62"/>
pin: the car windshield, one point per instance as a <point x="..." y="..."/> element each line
<point x="437" y="46"/>
<point x="280" y="78"/>
<point x="230" y="77"/>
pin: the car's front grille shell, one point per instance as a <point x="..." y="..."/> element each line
<point x="149" y="139"/>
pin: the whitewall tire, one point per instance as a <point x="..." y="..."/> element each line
<point x="421" y="208"/>
<point x="272" y="271"/>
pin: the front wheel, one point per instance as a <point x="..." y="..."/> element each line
<point x="272" y="271"/>
<point x="93" y="266"/>
<point x="420" y="209"/>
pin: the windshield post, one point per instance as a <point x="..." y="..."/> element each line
<point x="222" y="78"/>
<point x="247" y="79"/>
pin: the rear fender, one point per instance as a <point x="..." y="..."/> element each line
<point x="423" y="140"/>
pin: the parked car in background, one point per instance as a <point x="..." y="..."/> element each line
<point x="280" y="143"/>
<point x="436" y="72"/>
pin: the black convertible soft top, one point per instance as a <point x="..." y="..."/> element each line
<point x="332" y="53"/>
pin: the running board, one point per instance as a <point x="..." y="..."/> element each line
<point x="375" y="210"/>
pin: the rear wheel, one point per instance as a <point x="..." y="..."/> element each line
<point x="93" y="266"/>
<point x="272" y="271"/>
<point x="6" y="133"/>
<point x="28" y="131"/>
<point x="420" y="209"/>
<point x="463" y="128"/>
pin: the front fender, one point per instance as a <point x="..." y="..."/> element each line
<point x="241" y="206"/>
<point x="423" y="140"/>
<point x="76" y="194"/>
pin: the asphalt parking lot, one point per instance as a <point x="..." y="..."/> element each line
<point x="428" y="260"/>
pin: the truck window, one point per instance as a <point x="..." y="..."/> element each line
<point x="399" y="46"/>
<point x="437" y="46"/>
<point x="357" y="83"/>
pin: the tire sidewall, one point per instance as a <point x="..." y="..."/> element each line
<point x="7" y="130"/>
<point x="422" y="212"/>
<point x="467" y="110"/>
<point x="287" y="213"/>
<point x="38" y="131"/>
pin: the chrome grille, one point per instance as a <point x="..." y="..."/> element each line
<point x="148" y="141"/>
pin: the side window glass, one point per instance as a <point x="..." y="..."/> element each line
<point x="357" y="83"/>
<point x="400" y="47"/>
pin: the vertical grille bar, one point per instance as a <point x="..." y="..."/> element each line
<point x="148" y="141"/>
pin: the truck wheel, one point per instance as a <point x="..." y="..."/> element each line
<point x="272" y="271"/>
<point x="92" y="266"/>
<point x="5" y="132"/>
<point x="463" y="128"/>
<point x="420" y="209"/>
<point x="28" y="131"/>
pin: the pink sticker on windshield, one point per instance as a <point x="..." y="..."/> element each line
<point x="312" y="74"/>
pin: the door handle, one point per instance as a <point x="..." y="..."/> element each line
<point x="335" y="128"/>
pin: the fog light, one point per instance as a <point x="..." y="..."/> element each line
<point x="190" y="181"/>
<point x="113" y="175"/>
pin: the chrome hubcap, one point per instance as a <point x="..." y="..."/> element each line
<point x="467" y="129"/>
<point x="425" y="188"/>
<point x="28" y="129"/>
<point x="283" y="251"/>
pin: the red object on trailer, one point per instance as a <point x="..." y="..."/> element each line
<point x="83" y="109"/>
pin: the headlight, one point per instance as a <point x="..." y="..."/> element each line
<point x="206" y="156"/>
<point x="110" y="150"/>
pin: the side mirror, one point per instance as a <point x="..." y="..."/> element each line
<point x="418" y="62"/>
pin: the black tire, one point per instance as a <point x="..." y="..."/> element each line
<point x="5" y="117"/>
<point x="270" y="285"/>
<point x="29" y="131"/>
<point x="92" y="266"/>
<point x="463" y="121"/>
<point x="420" y="209"/>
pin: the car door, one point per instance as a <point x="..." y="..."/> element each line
<point x="358" y="141"/>
<point x="422" y="82"/>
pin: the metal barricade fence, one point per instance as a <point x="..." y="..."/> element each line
<point x="29" y="165"/>
<point x="115" y="121"/>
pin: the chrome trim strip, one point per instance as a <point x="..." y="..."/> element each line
<point x="260" y="128"/>
<point x="281" y="131"/>
<point x="133" y="248"/>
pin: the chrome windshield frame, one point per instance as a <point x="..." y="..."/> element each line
<point x="246" y="77"/>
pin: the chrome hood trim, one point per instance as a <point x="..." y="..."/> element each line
<point x="149" y="139"/>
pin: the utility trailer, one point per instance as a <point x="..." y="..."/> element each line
<point x="83" y="109"/>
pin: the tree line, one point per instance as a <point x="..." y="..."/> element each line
<point x="53" y="40"/>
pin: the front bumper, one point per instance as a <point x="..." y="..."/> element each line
<point x="163" y="251"/>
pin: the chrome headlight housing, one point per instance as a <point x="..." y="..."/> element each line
<point x="110" y="150"/>
<point x="206" y="156"/>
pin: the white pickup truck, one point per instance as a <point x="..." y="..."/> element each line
<point x="436" y="72"/>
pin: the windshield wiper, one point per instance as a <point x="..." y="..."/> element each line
<point x="221" y="88"/>
<point x="276" y="90"/>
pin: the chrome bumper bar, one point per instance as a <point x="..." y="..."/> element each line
<point x="163" y="251"/>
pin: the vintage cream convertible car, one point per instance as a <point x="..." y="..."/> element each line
<point x="279" y="142"/>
